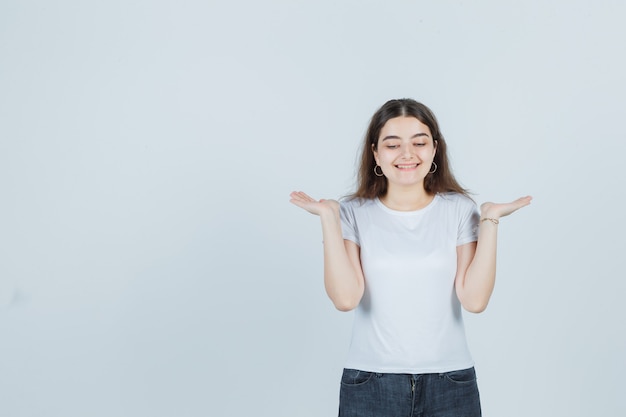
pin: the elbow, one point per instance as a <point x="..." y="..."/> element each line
<point x="474" y="301"/>
<point x="346" y="302"/>
<point x="476" y="307"/>
<point x="345" y="305"/>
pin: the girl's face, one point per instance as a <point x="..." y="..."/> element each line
<point x="405" y="151"/>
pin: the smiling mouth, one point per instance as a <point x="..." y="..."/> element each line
<point x="406" y="166"/>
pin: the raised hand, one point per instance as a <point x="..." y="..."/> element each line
<point x="317" y="207"/>
<point x="497" y="210"/>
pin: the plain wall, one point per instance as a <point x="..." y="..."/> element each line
<point x="151" y="264"/>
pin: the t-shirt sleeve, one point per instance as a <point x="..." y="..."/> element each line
<point x="468" y="224"/>
<point x="348" y="223"/>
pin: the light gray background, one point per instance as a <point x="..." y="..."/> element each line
<point x="151" y="265"/>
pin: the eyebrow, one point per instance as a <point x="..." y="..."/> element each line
<point x="417" y="135"/>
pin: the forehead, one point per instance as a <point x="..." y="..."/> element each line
<point x="404" y="126"/>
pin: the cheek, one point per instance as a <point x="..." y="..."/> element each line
<point x="385" y="157"/>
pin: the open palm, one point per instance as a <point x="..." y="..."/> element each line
<point x="497" y="210"/>
<point x="317" y="207"/>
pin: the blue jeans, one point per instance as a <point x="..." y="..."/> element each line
<point x="371" y="394"/>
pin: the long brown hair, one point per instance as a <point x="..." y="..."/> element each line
<point x="371" y="186"/>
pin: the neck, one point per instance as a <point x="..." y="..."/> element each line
<point x="407" y="199"/>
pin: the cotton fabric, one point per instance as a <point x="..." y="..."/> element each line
<point x="409" y="319"/>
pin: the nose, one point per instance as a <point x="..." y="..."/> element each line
<point x="407" y="151"/>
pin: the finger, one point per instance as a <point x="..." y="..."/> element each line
<point x="523" y="201"/>
<point x="305" y="196"/>
<point x="296" y="202"/>
<point x="299" y="195"/>
<point x="300" y="203"/>
<point x="513" y="206"/>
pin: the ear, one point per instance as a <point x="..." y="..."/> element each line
<point x="435" y="142"/>
<point x="375" y="152"/>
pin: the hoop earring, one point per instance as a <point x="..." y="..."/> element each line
<point x="381" y="171"/>
<point x="432" y="171"/>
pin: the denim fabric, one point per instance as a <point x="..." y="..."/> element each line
<point x="371" y="394"/>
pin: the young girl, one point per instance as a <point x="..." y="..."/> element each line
<point x="407" y="250"/>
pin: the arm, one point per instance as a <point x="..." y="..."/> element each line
<point x="343" y="275"/>
<point x="476" y="262"/>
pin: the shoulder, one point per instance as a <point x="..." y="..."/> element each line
<point x="459" y="204"/>
<point x="353" y="209"/>
<point x="457" y="199"/>
<point x="353" y="204"/>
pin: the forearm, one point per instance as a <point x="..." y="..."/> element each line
<point x="480" y="276"/>
<point x="342" y="281"/>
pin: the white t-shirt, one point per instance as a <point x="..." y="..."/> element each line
<point x="409" y="319"/>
